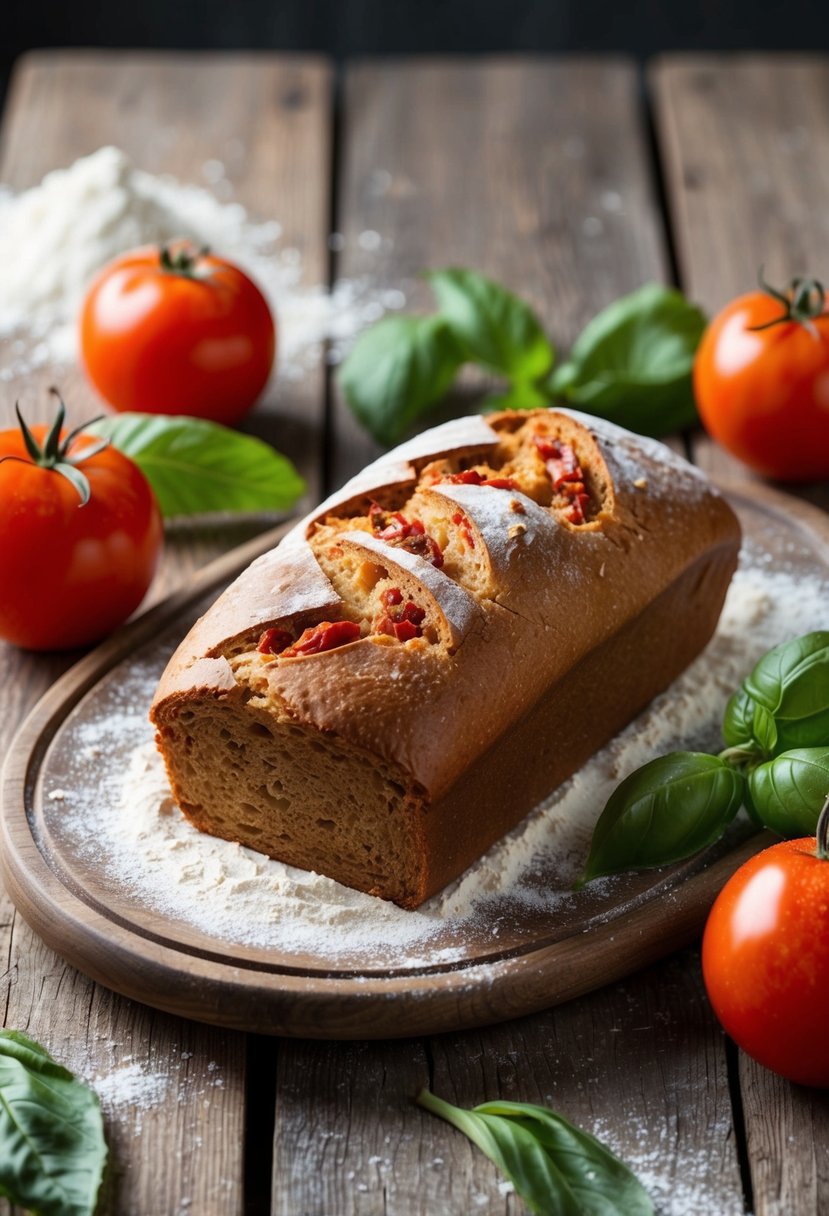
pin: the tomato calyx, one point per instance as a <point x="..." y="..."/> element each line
<point x="182" y="259"/>
<point x="822" y="832"/>
<point x="54" y="452"/>
<point x="803" y="301"/>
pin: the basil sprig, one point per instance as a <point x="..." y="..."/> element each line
<point x="198" y="467"/>
<point x="665" y="811"/>
<point x="775" y="764"/>
<point x="791" y="683"/>
<point x="631" y="364"/>
<point x="397" y="370"/>
<point x="557" y="1169"/>
<point x="492" y="326"/>
<point x="52" y="1148"/>
<point x="788" y="792"/>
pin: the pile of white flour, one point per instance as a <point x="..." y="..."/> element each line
<point x="152" y="854"/>
<point x="56" y="236"/>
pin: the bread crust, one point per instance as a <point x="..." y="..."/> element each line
<point x="656" y="555"/>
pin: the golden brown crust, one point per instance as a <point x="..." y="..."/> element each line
<point x="541" y="594"/>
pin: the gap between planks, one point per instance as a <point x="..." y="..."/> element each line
<point x="503" y="185"/>
<point x="745" y="142"/>
<point x="177" y="1126"/>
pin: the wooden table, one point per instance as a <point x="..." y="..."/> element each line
<point x="572" y="183"/>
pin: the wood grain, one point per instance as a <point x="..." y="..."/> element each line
<point x="266" y="118"/>
<point x="534" y="171"/>
<point x="507" y="166"/>
<point x="745" y="143"/>
<point x="176" y="1122"/>
<point x="788" y="1130"/>
<point x="364" y="1149"/>
<point x="601" y="1062"/>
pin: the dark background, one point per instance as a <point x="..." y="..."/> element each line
<point x="368" y="27"/>
<point x="345" y="28"/>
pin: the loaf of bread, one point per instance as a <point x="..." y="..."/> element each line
<point x="440" y="644"/>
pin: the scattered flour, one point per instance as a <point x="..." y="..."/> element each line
<point x="150" y="854"/>
<point x="57" y="235"/>
<point x="131" y="1085"/>
<point x="139" y="1082"/>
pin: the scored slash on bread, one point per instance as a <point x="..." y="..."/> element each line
<point x="390" y="690"/>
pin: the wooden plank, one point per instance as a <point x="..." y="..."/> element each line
<point x="506" y="166"/>
<point x="267" y="118"/>
<point x="640" y="1065"/>
<point x="348" y="1139"/>
<point x="174" y="1090"/>
<point x="745" y="139"/>
<point x="500" y="165"/>
<point x="745" y="142"/>
<point x="788" y="1130"/>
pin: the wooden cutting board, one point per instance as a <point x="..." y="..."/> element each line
<point x="69" y="898"/>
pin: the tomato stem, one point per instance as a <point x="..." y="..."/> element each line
<point x="822" y="832"/>
<point x="54" y="453"/>
<point x="803" y="301"/>
<point x="181" y="259"/>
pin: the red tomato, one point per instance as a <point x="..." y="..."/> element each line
<point x="765" y="958"/>
<point x="69" y="573"/>
<point x="764" y="393"/>
<point x="177" y="332"/>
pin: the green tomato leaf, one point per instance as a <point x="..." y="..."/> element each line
<point x="398" y="369"/>
<point x="663" y="812"/>
<point x="792" y="680"/>
<point x="632" y="363"/>
<point x="493" y="326"/>
<point x="196" y="467"/>
<point x="52" y="1148"/>
<point x="788" y="792"/>
<point x="557" y="1169"/>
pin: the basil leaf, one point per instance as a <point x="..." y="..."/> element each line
<point x="557" y="1169"/>
<point x="738" y="722"/>
<point x="792" y="680"/>
<point x="764" y="728"/>
<point x="788" y="792"/>
<point x="751" y="809"/>
<point x="519" y="396"/>
<point x="493" y="326"/>
<point x="398" y="369"/>
<point x="632" y="363"/>
<point x="804" y="732"/>
<point x="665" y="811"/>
<point x="196" y="467"/>
<point x="52" y="1148"/>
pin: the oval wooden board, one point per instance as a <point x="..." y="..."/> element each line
<point x="169" y="964"/>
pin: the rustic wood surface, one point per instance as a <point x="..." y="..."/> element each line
<point x="181" y="1137"/>
<point x="564" y="213"/>
<point x="745" y="145"/>
<point x="431" y="159"/>
<point x="538" y="172"/>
